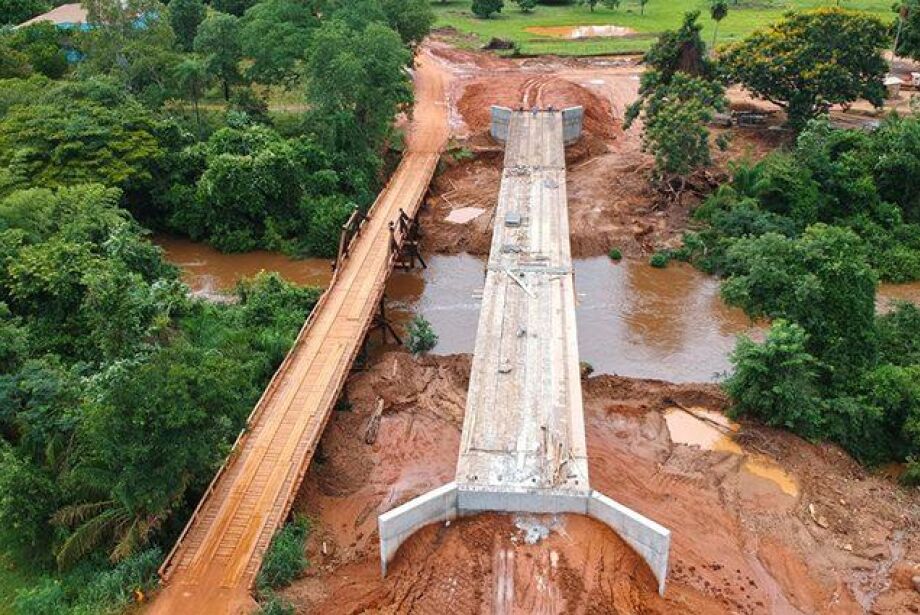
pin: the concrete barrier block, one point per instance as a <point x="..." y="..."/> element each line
<point x="397" y="525"/>
<point x="572" y="119"/>
<point x="470" y="501"/>
<point x="647" y="538"/>
<point x="501" y="120"/>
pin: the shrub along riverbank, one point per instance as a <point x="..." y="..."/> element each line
<point x="803" y="237"/>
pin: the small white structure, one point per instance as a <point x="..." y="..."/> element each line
<point x="893" y="84"/>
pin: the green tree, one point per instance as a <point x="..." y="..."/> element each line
<point x="674" y="126"/>
<point x="527" y="6"/>
<point x="356" y="84"/>
<point x="192" y="80"/>
<point x="28" y="496"/>
<point x="185" y="16"/>
<point x="642" y="4"/>
<point x="677" y="98"/>
<point x="812" y="60"/>
<point x="610" y="4"/>
<point x="820" y="281"/>
<point x="233" y="7"/>
<point x="486" y="8"/>
<point x="777" y="382"/>
<point x="80" y="142"/>
<point x="275" y="35"/>
<point x="13" y="64"/>
<point x="41" y="45"/>
<point x="907" y="35"/>
<point x="412" y="19"/>
<point x="718" y="10"/>
<point x="218" y="40"/>
<point x="14" y="12"/>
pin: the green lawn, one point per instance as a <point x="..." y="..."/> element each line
<point x="660" y="15"/>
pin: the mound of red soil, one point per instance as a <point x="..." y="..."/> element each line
<point x="528" y="90"/>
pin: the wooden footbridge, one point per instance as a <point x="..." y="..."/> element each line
<point x="214" y="563"/>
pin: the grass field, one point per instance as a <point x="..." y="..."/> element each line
<point x="512" y="24"/>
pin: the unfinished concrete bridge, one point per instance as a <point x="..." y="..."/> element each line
<point x="213" y="565"/>
<point x="523" y="443"/>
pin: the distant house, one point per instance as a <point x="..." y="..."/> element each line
<point x="66" y="17"/>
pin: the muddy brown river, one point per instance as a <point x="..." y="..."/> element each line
<point x="633" y="320"/>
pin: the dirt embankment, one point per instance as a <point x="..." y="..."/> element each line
<point x="846" y="543"/>
<point x="611" y="203"/>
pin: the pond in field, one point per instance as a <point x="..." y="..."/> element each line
<point x="579" y="32"/>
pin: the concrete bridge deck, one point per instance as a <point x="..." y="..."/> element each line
<point x="214" y="564"/>
<point x="523" y="443"/>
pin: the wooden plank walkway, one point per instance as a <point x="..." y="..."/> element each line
<point x="214" y="564"/>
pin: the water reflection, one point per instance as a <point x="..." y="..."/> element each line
<point x="633" y="320"/>
<point x="210" y="273"/>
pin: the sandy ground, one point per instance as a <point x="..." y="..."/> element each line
<point x="847" y="542"/>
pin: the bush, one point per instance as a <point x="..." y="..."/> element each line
<point x="615" y="254"/>
<point x="275" y="605"/>
<point x="422" y="337"/>
<point x="285" y="559"/>
<point x="485" y="8"/>
<point x="45" y="598"/>
<point x="777" y="382"/>
<point x="659" y="260"/>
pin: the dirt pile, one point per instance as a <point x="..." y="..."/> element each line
<point x="847" y="543"/>
<point x="611" y="201"/>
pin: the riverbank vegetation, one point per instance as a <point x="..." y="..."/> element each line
<point x="120" y="395"/>
<point x="803" y="236"/>
<point x="177" y="111"/>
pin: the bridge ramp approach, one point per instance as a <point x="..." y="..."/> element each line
<point x="214" y="564"/>
<point x="523" y="443"/>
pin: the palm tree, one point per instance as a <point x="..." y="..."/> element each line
<point x="98" y="523"/>
<point x="717" y="10"/>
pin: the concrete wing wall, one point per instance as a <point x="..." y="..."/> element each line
<point x="397" y="525"/>
<point x="647" y="538"/>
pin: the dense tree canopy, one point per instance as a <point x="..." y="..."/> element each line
<point x="120" y="394"/>
<point x="14" y="12"/>
<point x="185" y="16"/>
<point x="812" y="60"/>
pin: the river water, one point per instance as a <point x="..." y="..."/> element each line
<point x="633" y="320"/>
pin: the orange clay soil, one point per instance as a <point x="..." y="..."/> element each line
<point x="847" y="543"/>
<point x="611" y="203"/>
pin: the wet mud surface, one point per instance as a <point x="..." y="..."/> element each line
<point x="843" y="541"/>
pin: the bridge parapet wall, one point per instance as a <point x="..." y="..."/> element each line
<point x="572" y="120"/>
<point x="501" y="120"/>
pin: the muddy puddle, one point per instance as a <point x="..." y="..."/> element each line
<point x="579" y="32"/>
<point x="713" y="431"/>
